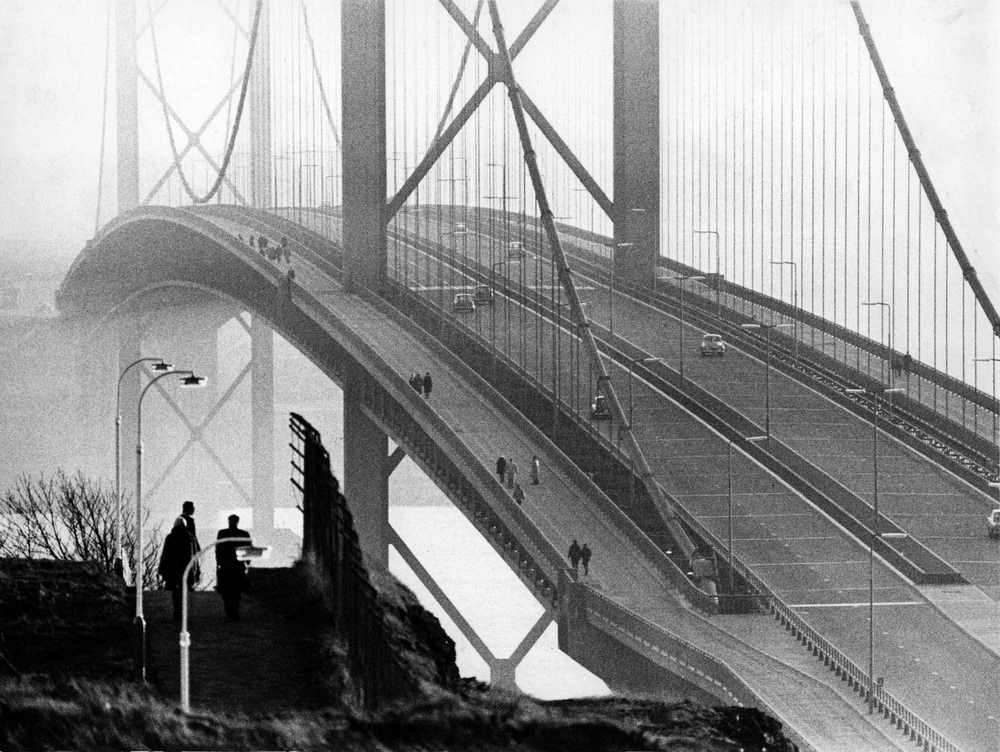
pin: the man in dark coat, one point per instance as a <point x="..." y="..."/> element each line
<point x="585" y="558"/>
<point x="177" y="552"/>
<point x="574" y="555"/>
<point x="427" y="384"/>
<point x="230" y="571"/>
<point x="501" y="466"/>
<point x="187" y="514"/>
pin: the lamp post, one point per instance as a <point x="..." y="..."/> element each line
<point x="631" y="364"/>
<point x="718" y="270"/>
<point x="795" y="301"/>
<point x="160" y="366"/>
<point x="732" y="577"/>
<point x="875" y="393"/>
<point x="888" y="308"/>
<point x="245" y="551"/>
<point x="188" y="379"/>
<point x="681" y="280"/>
<point x="767" y="370"/>
<point x="611" y="289"/>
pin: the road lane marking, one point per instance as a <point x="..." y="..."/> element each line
<point x="857" y="604"/>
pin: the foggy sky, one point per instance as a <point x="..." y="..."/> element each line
<point x="942" y="56"/>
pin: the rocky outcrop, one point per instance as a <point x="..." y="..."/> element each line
<point x="62" y="617"/>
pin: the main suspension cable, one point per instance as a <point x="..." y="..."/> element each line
<point x="221" y="175"/>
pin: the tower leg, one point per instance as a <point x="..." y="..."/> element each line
<point x="262" y="418"/>
<point x="636" y="140"/>
<point x="260" y="116"/>
<point x="364" y="181"/>
<point x="128" y="106"/>
<point x="366" y="484"/>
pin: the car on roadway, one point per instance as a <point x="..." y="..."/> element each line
<point x="712" y="344"/>
<point x="599" y="408"/>
<point x="463" y="303"/>
<point x="483" y="295"/>
<point x="993" y="524"/>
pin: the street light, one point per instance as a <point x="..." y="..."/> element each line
<point x="732" y="578"/>
<point x="718" y="270"/>
<point x="767" y="371"/>
<point x="681" y="280"/>
<point x="795" y="299"/>
<point x="874" y="392"/>
<point x="160" y="366"/>
<point x="631" y="364"/>
<point x="243" y="553"/>
<point x="888" y="307"/>
<point x="188" y="379"/>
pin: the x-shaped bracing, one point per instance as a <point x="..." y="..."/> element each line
<point x="197" y="431"/>
<point x="495" y="76"/>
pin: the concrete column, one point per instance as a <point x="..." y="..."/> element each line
<point x="363" y="127"/>
<point x="262" y="429"/>
<point x="366" y="483"/>
<point x="636" y="139"/>
<point x="261" y="161"/>
<point x="127" y="76"/>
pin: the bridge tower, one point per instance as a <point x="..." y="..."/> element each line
<point x="636" y="104"/>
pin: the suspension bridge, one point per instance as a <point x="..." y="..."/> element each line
<point x="549" y="205"/>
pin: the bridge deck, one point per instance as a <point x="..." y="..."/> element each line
<point x="818" y="706"/>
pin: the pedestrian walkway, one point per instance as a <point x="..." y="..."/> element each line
<point x="260" y="664"/>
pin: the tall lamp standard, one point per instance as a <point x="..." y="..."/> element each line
<point x="718" y="270"/>
<point x="188" y="379"/>
<point x="767" y="370"/>
<point x="611" y="289"/>
<point x="631" y="364"/>
<point x="888" y="308"/>
<point x="732" y="577"/>
<point x="795" y="301"/>
<point x="159" y="366"/>
<point x="680" y="283"/>
<point x="875" y="393"/>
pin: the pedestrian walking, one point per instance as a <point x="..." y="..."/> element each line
<point x="187" y="514"/>
<point x="286" y="252"/>
<point x="535" y="465"/>
<point x="231" y="573"/>
<point x="518" y="494"/>
<point x="501" y="467"/>
<point x="574" y="555"/>
<point x="427" y="384"/>
<point x="511" y="473"/>
<point x="177" y="552"/>
<point x="585" y="558"/>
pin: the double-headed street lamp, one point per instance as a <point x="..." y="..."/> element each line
<point x="767" y="370"/>
<point x="732" y="577"/>
<point x="680" y="283"/>
<point x="718" y="270"/>
<point x="875" y="394"/>
<point x="159" y="366"/>
<point x="795" y="301"/>
<point x="188" y="379"/>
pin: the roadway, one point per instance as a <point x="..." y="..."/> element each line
<point x="802" y="556"/>
<point x="816" y="705"/>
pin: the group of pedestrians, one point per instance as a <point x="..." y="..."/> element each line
<point x="579" y="555"/>
<point x="181" y="546"/>
<point x="507" y="470"/>
<point x="422" y="384"/>
<point x="277" y="252"/>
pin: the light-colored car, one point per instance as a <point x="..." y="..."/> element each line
<point x="712" y="344"/>
<point x="599" y="409"/>
<point x="463" y="303"/>
<point x="993" y="524"/>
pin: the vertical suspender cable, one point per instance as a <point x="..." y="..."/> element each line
<point x="566" y="282"/>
